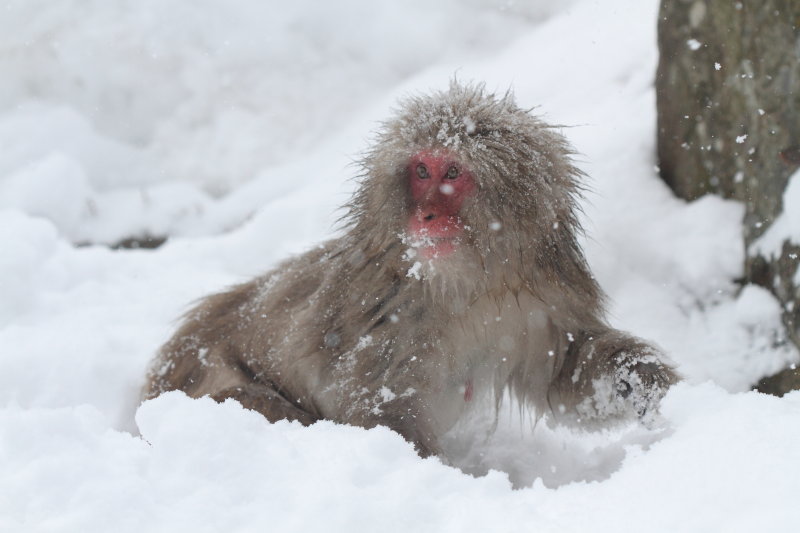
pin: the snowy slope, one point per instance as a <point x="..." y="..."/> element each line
<point x="232" y="127"/>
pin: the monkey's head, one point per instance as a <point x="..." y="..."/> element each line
<point x="462" y="175"/>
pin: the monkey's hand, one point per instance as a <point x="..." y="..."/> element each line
<point x="635" y="379"/>
<point x="640" y="381"/>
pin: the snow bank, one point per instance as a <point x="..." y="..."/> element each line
<point x="786" y="227"/>
<point x="203" y="466"/>
<point x="232" y="131"/>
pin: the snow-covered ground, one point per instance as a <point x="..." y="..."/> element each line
<point x="231" y="127"/>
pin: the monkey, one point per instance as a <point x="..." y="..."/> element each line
<point x="458" y="275"/>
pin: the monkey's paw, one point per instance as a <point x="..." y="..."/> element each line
<point x="635" y="387"/>
<point x="642" y="382"/>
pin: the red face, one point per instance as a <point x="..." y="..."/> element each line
<point x="439" y="185"/>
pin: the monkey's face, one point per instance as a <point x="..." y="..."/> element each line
<point x="439" y="184"/>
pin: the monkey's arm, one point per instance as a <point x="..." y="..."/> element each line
<point x="405" y="406"/>
<point x="610" y="375"/>
<point x="266" y="399"/>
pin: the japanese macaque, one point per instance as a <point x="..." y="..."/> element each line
<point x="458" y="276"/>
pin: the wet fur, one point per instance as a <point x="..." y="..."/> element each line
<point x="362" y="331"/>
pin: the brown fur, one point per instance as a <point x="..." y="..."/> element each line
<point x="359" y="331"/>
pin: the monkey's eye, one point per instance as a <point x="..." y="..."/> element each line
<point x="422" y="172"/>
<point x="452" y="173"/>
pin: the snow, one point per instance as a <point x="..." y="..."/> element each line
<point x="231" y="128"/>
<point x="786" y="227"/>
<point x="203" y="466"/>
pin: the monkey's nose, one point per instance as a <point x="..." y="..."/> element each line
<point x="429" y="216"/>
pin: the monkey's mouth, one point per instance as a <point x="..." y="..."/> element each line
<point x="434" y="247"/>
<point x="435" y="236"/>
